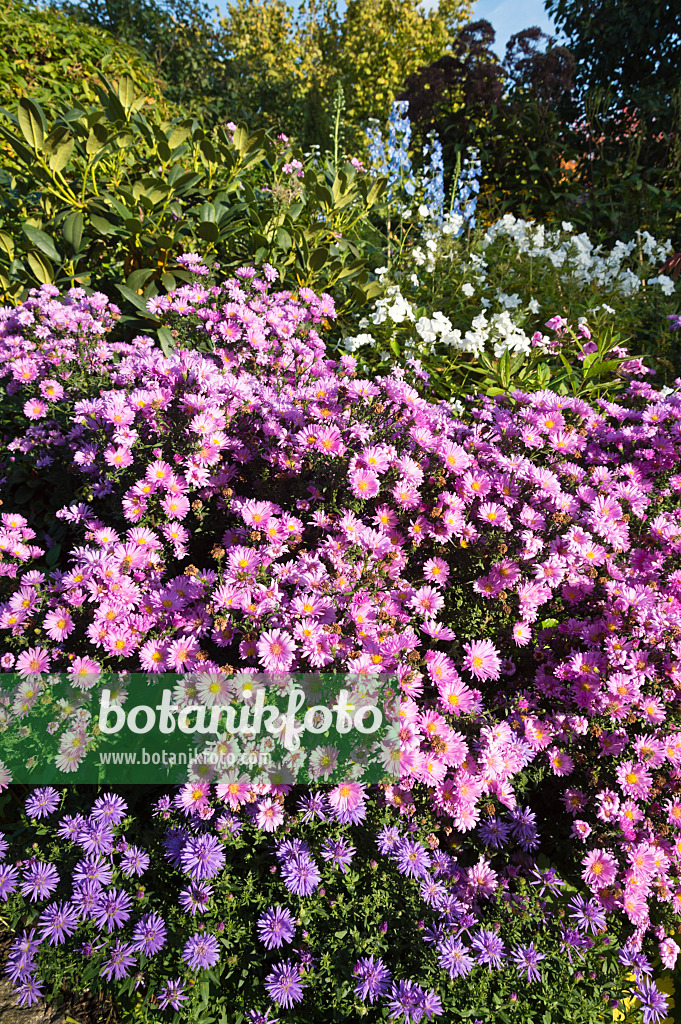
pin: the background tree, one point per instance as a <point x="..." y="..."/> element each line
<point x="55" y="59"/>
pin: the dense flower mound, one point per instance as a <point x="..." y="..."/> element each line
<point x="260" y="506"/>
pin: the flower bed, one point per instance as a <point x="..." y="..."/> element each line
<point x="258" y="505"/>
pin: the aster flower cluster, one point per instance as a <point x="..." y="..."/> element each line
<point x="262" y="506"/>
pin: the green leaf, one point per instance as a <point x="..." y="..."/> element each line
<point x="178" y="135"/>
<point x="208" y="231"/>
<point x="61" y="156"/>
<point x="96" y="140"/>
<point x="166" y="341"/>
<point x="284" y="239"/>
<point x="394" y="346"/>
<point x="72" y="229"/>
<point x="138" y="278"/>
<point x="41" y="267"/>
<point x="41" y="241"/>
<point x="7" y="244"/>
<point x="52" y="555"/>
<point x="318" y="258"/>
<point x="137" y="301"/>
<point x="32" y="123"/>
<point x="126" y="93"/>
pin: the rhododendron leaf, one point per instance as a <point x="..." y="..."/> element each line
<point x="32" y="123"/>
<point x="41" y="267"/>
<point x="41" y="241"/>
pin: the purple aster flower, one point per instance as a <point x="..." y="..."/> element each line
<point x="412" y="859"/>
<point x="548" y="880"/>
<point x="109" y="807"/>
<point x="40" y="880"/>
<point x="29" y="992"/>
<point x="489" y="948"/>
<point x="524" y="827"/>
<point x="57" y="922"/>
<point x="70" y="826"/>
<point x="339" y="853"/>
<point x="120" y="958"/>
<point x="149" y="934"/>
<point x="112" y="909"/>
<point x="283" y="984"/>
<point x="313" y="805"/>
<point x="431" y="1004"/>
<point x="201" y="951"/>
<point x="85" y="899"/>
<point x="588" y="914"/>
<point x="172" y="994"/>
<point x="96" y="837"/>
<point x="653" y="1002"/>
<point x="387" y="840"/>
<point x="42" y="803"/>
<point x="195" y="899"/>
<point x="374" y="978"/>
<point x="93" y="869"/>
<point x="493" y="833"/>
<point x="526" y="959"/>
<point x="134" y="862"/>
<point x="287" y="848"/>
<point x="9" y="878"/>
<point x="301" y="875"/>
<point x="455" y="958"/>
<point x="255" y="1017"/>
<point x="276" y="926"/>
<point x="202" y="857"/>
<point x="406" y="1000"/>
<point x="4" y="846"/>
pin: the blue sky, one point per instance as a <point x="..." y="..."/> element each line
<point x="510" y="16"/>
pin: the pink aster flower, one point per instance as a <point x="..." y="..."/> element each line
<point x="427" y="601"/>
<point x="561" y="763"/>
<point x="482" y="659"/>
<point x="522" y="634"/>
<point x="276" y="650"/>
<point x="58" y="624"/>
<point x="270" y="815"/>
<point x="346" y="797"/>
<point x="364" y="484"/>
<point x="34" y="409"/>
<point x="600" y="869"/>
<point x="436" y="570"/>
<point x="35" y="659"/>
<point x="634" y="780"/>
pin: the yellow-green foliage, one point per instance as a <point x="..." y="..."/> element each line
<point x="54" y="59"/>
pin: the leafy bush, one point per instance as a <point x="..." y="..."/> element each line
<point x="107" y="196"/>
<point x="262" y="504"/>
<point x="55" y="60"/>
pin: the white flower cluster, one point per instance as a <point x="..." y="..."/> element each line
<point x="583" y="263"/>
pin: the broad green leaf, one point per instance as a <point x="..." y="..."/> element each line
<point x="96" y="140"/>
<point x="137" y="301"/>
<point x="178" y="135"/>
<point x="318" y="258"/>
<point x="284" y="239"/>
<point x="61" y="156"/>
<point x="7" y="244"/>
<point x="208" y="231"/>
<point x="32" y="123"/>
<point x="72" y="229"/>
<point x="166" y="341"/>
<point x="138" y="278"/>
<point x="126" y="93"/>
<point x="169" y="282"/>
<point x="41" y="267"/>
<point x="41" y="241"/>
